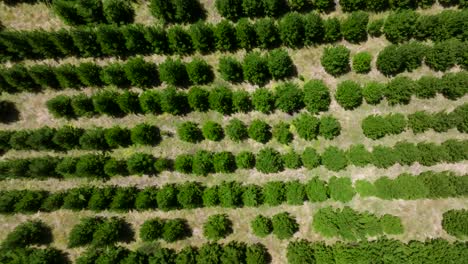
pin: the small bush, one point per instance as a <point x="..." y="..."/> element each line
<point x="284" y="225"/>
<point x="289" y="98"/>
<point x="175" y="229"/>
<point x="399" y="90"/>
<point x="174" y="72"/>
<point x="241" y="101"/>
<point x="140" y="163"/>
<point x="341" y="189"/>
<point x="236" y="130"/>
<point x="292" y="160"/>
<point x="82" y="105"/>
<point x="400" y="26"/>
<point x="334" y="159"/>
<point x="213" y="131"/>
<point x="354" y="27"/>
<point x="246" y="36"/>
<point x="310" y="158"/>
<point x="267" y="33"/>
<point x="282" y="133"/>
<point x="329" y="127"/>
<point x="230" y="69"/>
<point x="335" y="60"/>
<point x="220" y="100"/>
<point x="374" y="28"/>
<point x="82" y="233"/>
<point x="199" y="72"/>
<point x="332" y="30"/>
<point x="118" y="12"/>
<point x="255" y="69"/>
<point x="373" y="92"/>
<point x="224" y="162"/>
<point x="280" y="64"/>
<point x="274" y="193"/>
<point x="245" y="160"/>
<point x="179" y="41"/>
<point x="260" y="131"/>
<point x="117" y="137"/>
<point x="362" y="62"/>
<point x="93" y="139"/>
<point x="316" y="96"/>
<point x="183" y="163"/>
<point x="128" y="102"/>
<point x="198" y="99"/>
<point x="349" y="95"/>
<point x="105" y="102"/>
<point x="263" y="100"/>
<point x="358" y="155"/>
<point x="33" y="232"/>
<point x="151" y="229"/>
<point x="291" y="28"/>
<point x="190" y="132"/>
<point x="307" y="126"/>
<point x="114" y="74"/>
<point x="202" y="163"/>
<point x="202" y="37"/>
<point x="454" y="223"/>
<point x="141" y="73"/>
<point x="217" y="227"/>
<point x="269" y="160"/>
<point x="225" y="36"/>
<point x="145" y="134"/>
<point x="229" y="9"/>
<point x="190" y="195"/>
<point x="261" y="226"/>
<point x="60" y="106"/>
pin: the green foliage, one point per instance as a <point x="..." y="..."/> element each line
<point x="93" y="139"/>
<point x="190" y="132"/>
<point x="230" y="9"/>
<point x="332" y="30"/>
<point x="310" y="158"/>
<point x="353" y="5"/>
<point x="174" y="72"/>
<point x="236" y="130"/>
<point x="117" y="137"/>
<point x="199" y="72"/>
<point x="109" y="232"/>
<point x="282" y="133"/>
<point x="358" y="155"/>
<point x="90" y="166"/>
<point x="246" y="36"/>
<point x="291" y="28"/>
<point x="307" y="126"/>
<point x="261" y="226"/>
<point x="400" y="26"/>
<point x="150" y="102"/>
<point x="213" y="131"/>
<point x="349" y="94"/>
<point x="391" y="224"/>
<point x="335" y="60"/>
<point x="284" y="225"/>
<point x="383" y="157"/>
<point x="354" y="27"/>
<point x="316" y="96"/>
<point x="220" y="100"/>
<point x="341" y="189"/>
<point x="230" y="194"/>
<point x="280" y="64"/>
<point x="166" y="197"/>
<point x="60" y="106"/>
<point x="230" y="69"/>
<point x="267" y="33"/>
<point x="269" y="160"/>
<point x="105" y="102"/>
<point x="376" y="127"/>
<point x="32" y="232"/>
<point x="399" y="90"/>
<point x="82" y="105"/>
<point x="329" y="127"/>
<point x="198" y="99"/>
<point x="245" y="160"/>
<point x="145" y="134"/>
<point x="427" y="87"/>
<point x="295" y="193"/>
<point x="373" y="92"/>
<point x="374" y="28"/>
<point x="362" y="62"/>
<point x="217" y="227"/>
<point x="225" y="36"/>
<point x="118" y="12"/>
<point x="313" y="29"/>
<point x="241" y="101"/>
<point x="289" y="98"/>
<point x="128" y="102"/>
<point x="259" y="131"/>
<point x="141" y="73"/>
<point x="454" y="223"/>
<point x="252" y="195"/>
<point x="202" y="163"/>
<point x="140" y="163"/>
<point x="444" y="55"/>
<point x="292" y="160"/>
<point x="454" y="85"/>
<point x="82" y="233"/>
<point x="274" y="193"/>
<point x="224" y="162"/>
<point x="175" y="229"/>
<point x="255" y="69"/>
<point x="263" y="100"/>
<point x="202" y="37"/>
<point x="189" y="195"/>
<point x="253" y="8"/>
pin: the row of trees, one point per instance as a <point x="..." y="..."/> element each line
<point x="308" y="127"/>
<point x="204" y="162"/>
<point x="429" y="251"/>
<point x="69" y="137"/>
<point x="282" y="225"/>
<point x="349" y="224"/>
<point x="134" y="72"/>
<point x="169" y="230"/>
<point x="286" y="97"/>
<point x="293" y="30"/>
<point x="99" y="232"/>
<point x="441" y="56"/>
<point x="455" y="222"/>
<point x="378" y="126"/>
<point x="191" y="195"/>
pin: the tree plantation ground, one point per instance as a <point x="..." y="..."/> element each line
<point x="233" y="131"/>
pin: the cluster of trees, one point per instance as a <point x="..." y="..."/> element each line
<point x="293" y="30"/>
<point x="287" y="97"/>
<point x="169" y="230"/>
<point x="455" y="222"/>
<point x="179" y="11"/>
<point x="282" y="225"/>
<point x="440" y="56"/>
<point x="381" y="250"/>
<point x="232" y="252"/>
<point x="378" y="126"/>
<point x="307" y="126"/>
<point x="99" y="232"/>
<point x="233" y="194"/>
<point x="134" y="72"/>
<point x="69" y="137"/>
<point x="92" y="12"/>
<point x="432" y="185"/>
<point x="349" y="224"/>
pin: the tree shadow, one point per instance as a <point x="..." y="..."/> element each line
<point x="8" y="112"/>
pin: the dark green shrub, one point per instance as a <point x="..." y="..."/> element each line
<point x="263" y="100"/>
<point x="252" y="195"/>
<point x="115" y="167"/>
<point x="174" y="72"/>
<point x="427" y="87"/>
<point x="260" y="131"/>
<point x="230" y="69"/>
<point x="373" y="92"/>
<point x="157" y="38"/>
<point x="44" y="75"/>
<point x="241" y="101"/>
<point x="166" y="197"/>
<point x="236" y="130"/>
<point x="419" y="121"/>
<point x="313" y="29"/>
<point x="76" y="199"/>
<point x="117" y="137"/>
<point x="289" y="98"/>
<point x="140" y="163"/>
<point x="307" y="126"/>
<point x="41" y="139"/>
<point x="399" y="90"/>
<point x="284" y="225"/>
<point x="334" y="159"/>
<point x="30" y="202"/>
<point x="280" y="64"/>
<point x="341" y="189"/>
<point x="224" y="162"/>
<point x="335" y="60"/>
<point x="213" y="131"/>
<point x="199" y="72"/>
<point x="202" y="37"/>
<point x="454" y="85"/>
<point x="93" y="139"/>
<point x="18" y="140"/>
<point x="109" y="232"/>
<point x="105" y="102"/>
<point x="183" y="163"/>
<point x="310" y="158"/>
<point x="175" y="229"/>
<point x="60" y="106"/>
<point x="295" y="193"/>
<point x="332" y="30"/>
<point x="100" y="199"/>
<point x="407" y="153"/>
<point x="362" y="62"/>
<point x="316" y="96"/>
<point x="444" y="55"/>
<point x="82" y="233"/>
<point x="42" y="44"/>
<point x="353" y="5"/>
<point x="255" y="69"/>
<point x="230" y="194"/>
<point x="145" y="134"/>
<point x="135" y="41"/>
<point x="354" y="27"/>
<point x="282" y="133"/>
<point x="274" y="193"/>
<point x="173" y="102"/>
<point x="90" y="166"/>
<point x="292" y="160"/>
<point x="82" y="105"/>
<point x="349" y="94"/>
<point x="67" y="76"/>
<point x="253" y="8"/>
<point x="374" y="28"/>
<point x="261" y="226"/>
<point x="198" y="99"/>
<point x="53" y="202"/>
<point x="220" y="100"/>
<point x="413" y="54"/>
<point x="358" y="155"/>
<point x="43" y="167"/>
<point x="269" y="160"/>
<point x="111" y="40"/>
<point x="390" y="61"/>
<point x="151" y="229"/>
<point x="146" y="199"/>
<point x="118" y="12"/>
<point x="291" y="28"/>
<point x="268" y="35"/>
<point x="202" y="163"/>
<point x="189" y="195"/>
<point x="400" y="26"/>
<point x="454" y="222"/>
<point x="67" y="167"/>
<point x="179" y="41"/>
<point x="329" y="127"/>
<point x="324" y="5"/>
<point x="141" y="73"/>
<point x="150" y="102"/>
<point x="230" y="9"/>
<point x="190" y="132"/>
<point x="217" y="227"/>
<point x="128" y="102"/>
<point x="245" y="160"/>
<point x="246" y="36"/>
<point x="225" y="36"/>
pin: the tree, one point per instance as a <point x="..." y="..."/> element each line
<point x="82" y="233"/>
<point x="329" y="127"/>
<point x="280" y="64"/>
<point x="349" y="94"/>
<point x="213" y="131"/>
<point x="316" y="96"/>
<point x="145" y="134"/>
<point x="32" y="232"/>
<point x="230" y="9"/>
<point x="373" y="92"/>
<point x="335" y="60"/>
<point x="260" y="131"/>
<point x="241" y="101"/>
<point x="362" y="62"/>
<point x="217" y="227"/>
<point x="166" y="197"/>
<point x="135" y="41"/>
<point x="454" y="222"/>
<point x="245" y="160"/>
<point x="334" y="159"/>
<point x="163" y="10"/>
<point x="105" y="102"/>
<point x="202" y="37"/>
<point x="124" y="199"/>
<point x="390" y="61"/>
<point x="374" y="28"/>
<point x="399" y="90"/>
<point x="100" y="199"/>
<point x="236" y="130"/>
<point x="269" y="160"/>
<point x="111" y="40"/>
<point x="307" y="126"/>
<point x="255" y="69"/>
<point x="118" y="12"/>
<point x="313" y="29"/>
<point x="190" y="132"/>
<point x="230" y="69"/>
<point x="263" y="100"/>
<point x="225" y="36"/>
<point x="261" y="226"/>
<point x="341" y="189"/>
<point x="400" y="26"/>
<point x="444" y="55"/>
<point x="353" y="5"/>
<point x="198" y="99"/>
<point x="284" y="225"/>
<point x="220" y="100"/>
<point x="246" y="36"/>
<point x="230" y="194"/>
<point x="93" y="139"/>
<point x="183" y="163"/>
<point x="150" y="102"/>
<point x="128" y="102"/>
<point x="310" y="158"/>
<point x="291" y="28"/>
<point x="190" y="195"/>
<point x="199" y="72"/>
<point x="282" y="133"/>
<point x="202" y="163"/>
<point x="82" y="105"/>
<point x="300" y="252"/>
<point x="44" y="76"/>
<point x="141" y="73"/>
<point x="453" y="85"/>
<point x="267" y="33"/>
<point x="427" y="87"/>
<point x="174" y="72"/>
<point x="140" y="163"/>
<point x="117" y="137"/>
<point x="332" y="30"/>
<point x="60" y="106"/>
<point x="253" y="8"/>
<point x="289" y="98"/>
<point x="292" y="160"/>
<point x="175" y="229"/>
<point x="354" y="27"/>
<point x="224" y="162"/>
<point x="274" y="193"/>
